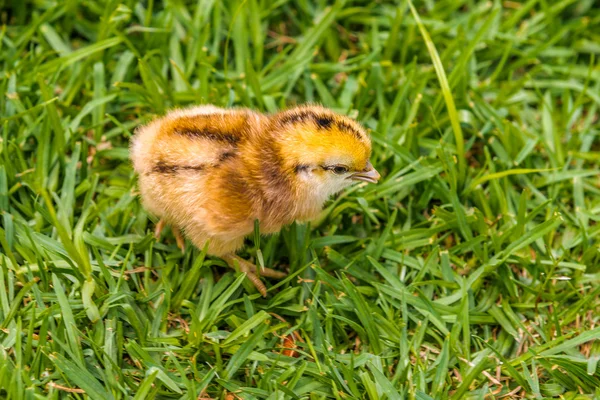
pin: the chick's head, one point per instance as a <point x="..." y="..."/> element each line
<point x="323" y="151"/>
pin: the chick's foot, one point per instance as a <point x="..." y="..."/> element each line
<point x="251" y="272"/>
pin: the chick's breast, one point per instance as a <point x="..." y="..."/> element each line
<point x="191" y="173"/>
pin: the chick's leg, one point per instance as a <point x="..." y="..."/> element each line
<point x="160" y="226"/>
<point x="178" y="238"/>
<point x="251" y="271"/>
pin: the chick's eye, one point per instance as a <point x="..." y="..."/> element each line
<point x="339" y="169"/>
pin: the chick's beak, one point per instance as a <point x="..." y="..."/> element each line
<point x="369" y="174"/>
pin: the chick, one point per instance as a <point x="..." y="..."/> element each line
<point x="211" y="172"/>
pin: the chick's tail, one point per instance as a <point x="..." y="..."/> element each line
<point x="140" y="150"/>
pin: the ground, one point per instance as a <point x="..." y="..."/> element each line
<point x="471" y="271"/>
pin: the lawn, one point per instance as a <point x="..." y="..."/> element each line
<point x="471" y="271"/>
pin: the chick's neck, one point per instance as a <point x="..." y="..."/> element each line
<point x="278" y="196"/>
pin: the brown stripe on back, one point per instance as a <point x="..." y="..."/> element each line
<point x="208" y="133"/>
<point x="226" y="155"/>
<point x="228" y="128"/>
<point x="162" y="167"/>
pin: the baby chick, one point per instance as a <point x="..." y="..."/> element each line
<point x="211" y="172"/>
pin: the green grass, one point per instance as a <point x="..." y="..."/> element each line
<point x="472" y="271"/>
